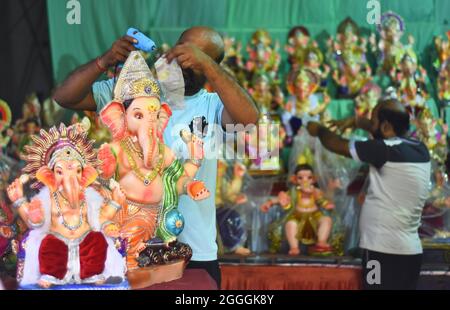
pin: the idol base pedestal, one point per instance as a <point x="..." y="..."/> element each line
<point x="146" y="276"/>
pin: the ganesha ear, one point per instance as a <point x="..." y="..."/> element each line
<point x="46" y="176"/>
<point x="290" y="88"/>
<point x="165" y="109"/>
<point x="293" y="179"/>
<point x="165" y="106"/>
<point x="314" y="87"/>
<point x="89" y="175"/>
<point x="113" y="116"/>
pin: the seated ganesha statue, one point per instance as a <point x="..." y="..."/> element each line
<point x="147" y="170"/>
<point x="71" y="224"/>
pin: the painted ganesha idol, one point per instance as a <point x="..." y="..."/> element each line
<point x="72" y="231"/>
<point x="147" y="170"/>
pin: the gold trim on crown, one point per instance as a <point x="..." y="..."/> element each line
<point x="48" y="146"/>
<point x="136" y="80"/>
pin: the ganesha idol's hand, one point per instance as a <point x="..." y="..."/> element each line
<point x="118" y="195"/>
<point x="284" y="198"/>
<point x="6" y="232"/>
<point x="15" y="190"/>
<point x="112" y="230"/>
<point x="194" y="144"/>
<point x="329" y="206"/>
<point x="241" y="199"/>
<point x="265" y="207"/>
<point x="197" y="190"/>
<point x="326" y="98"/>
<point x="239" y="170"/>
<point x="108" y="161"/>
<point x="447" y="202"/>
<point x="79" y="128"/>
<point x="35" y="212"/>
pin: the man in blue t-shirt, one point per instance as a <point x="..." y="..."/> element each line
<point x="199" y="52"/>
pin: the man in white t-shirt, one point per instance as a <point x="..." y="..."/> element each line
<point x="398" y="187"/>
<point x="198" y="51"/>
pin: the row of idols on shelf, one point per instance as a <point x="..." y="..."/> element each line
<point x="396" y="73"/>
<point x="345" y="61"/>
<point x="313" y="208"/>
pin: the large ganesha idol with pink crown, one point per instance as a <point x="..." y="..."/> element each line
<point x="71" y="242"/>
<point x="150" y="175"/>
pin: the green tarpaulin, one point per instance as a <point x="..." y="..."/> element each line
<point x="103" y="21"/>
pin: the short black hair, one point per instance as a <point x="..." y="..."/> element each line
<point x="303" y="167"/>
<point x="399" y="120"/>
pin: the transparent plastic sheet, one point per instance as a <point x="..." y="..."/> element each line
<point x="170" y="78"/>
<point x="258" y="191"/>
<point x="328" y="167"/>
<point x="436" y="213"/>
<point x="233" y="208"/>
<point x="350" y="211"/>
<point x="334" y="174"/>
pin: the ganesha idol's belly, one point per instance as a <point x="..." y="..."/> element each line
<point x="58" y="228"/>
<point x="136" y="191"/>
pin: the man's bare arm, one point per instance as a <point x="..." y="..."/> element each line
<point x="76" y="91"/>
<point x="354" y="122"/>
<point x="331" y="141"/>
<point x="239" y="107"/>
<point x="364" y="124"/>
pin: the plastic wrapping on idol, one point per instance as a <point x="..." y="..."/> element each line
<point x="170" y="78"/>
<point x="233" y="207"/>
<point x="305" y="102"/>
<point x="334" y="175"/>
<point x="258" y="190"/>
<point x="435" y="228"/>
<point x="262" y="146"/>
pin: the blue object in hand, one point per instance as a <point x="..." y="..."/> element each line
<point x="144" y="43"/>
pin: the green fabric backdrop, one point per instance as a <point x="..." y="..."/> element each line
<point x="102" y="21"/>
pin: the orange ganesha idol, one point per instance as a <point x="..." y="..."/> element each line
<point x="71" y="224"/>
<point x="147" y="170"/>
